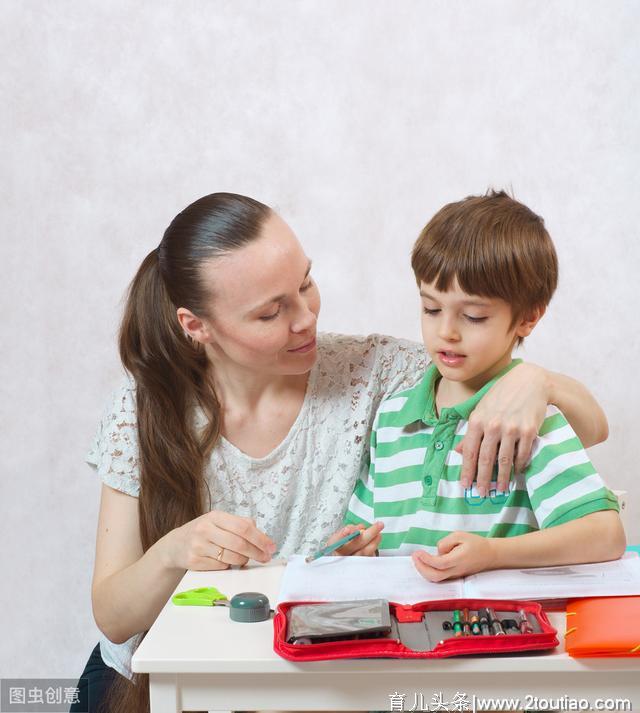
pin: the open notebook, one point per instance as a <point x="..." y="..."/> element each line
<point x="396" y="579"/>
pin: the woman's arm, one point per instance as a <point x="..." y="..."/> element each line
<point x="463" y="553"/>
<point x="506" y="422"/>
<point x="580" y="408"/>
<point x="131" y="587"/>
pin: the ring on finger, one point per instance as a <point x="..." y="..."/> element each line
<point x="219" y="555"/>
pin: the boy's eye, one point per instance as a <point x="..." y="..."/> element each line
<point x="475" y="319"/>
<point x="426" y="310"/>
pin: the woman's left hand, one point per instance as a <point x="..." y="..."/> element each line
<point x="504" y="425"/>
<point x="459" y="554"/>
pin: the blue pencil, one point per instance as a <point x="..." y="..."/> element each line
<point x="332" y="548"/>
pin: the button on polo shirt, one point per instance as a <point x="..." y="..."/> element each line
<point x="420" y="408"/>
<point x="413" y="483"/>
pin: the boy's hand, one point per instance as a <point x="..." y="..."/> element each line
<point x="503" y="427"/>
<point x="459" y="554"/>
<point x="366" y="545"/>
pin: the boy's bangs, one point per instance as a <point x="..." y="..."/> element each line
<point x="493" y="247"/>
<point x="474" y="272"/>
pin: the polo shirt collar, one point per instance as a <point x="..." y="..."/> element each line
<point x="421" y="403"/>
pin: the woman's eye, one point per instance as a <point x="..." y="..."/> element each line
<point x="426" y="310"/>
<point x="269" y="317"/>
<point x="306" y="285"/>
<point x="475" y="320"/>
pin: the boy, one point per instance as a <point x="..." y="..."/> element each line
<point x="486" y="270"/>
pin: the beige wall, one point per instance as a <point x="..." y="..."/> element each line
<point x="357" y="120"/>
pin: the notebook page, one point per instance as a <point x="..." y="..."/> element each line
<point x="341" y="578"/>
<point x="620" y="577"/>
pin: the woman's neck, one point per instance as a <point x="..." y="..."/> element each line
<point x="257" y="410"/>
<point x="241" y="389"/>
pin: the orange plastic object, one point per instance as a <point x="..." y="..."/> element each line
<point x="603" y="626"/>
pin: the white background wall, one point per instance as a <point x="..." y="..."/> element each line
<point x="357" y="119"/>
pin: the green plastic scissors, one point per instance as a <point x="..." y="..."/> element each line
<point x="200" y="597"/>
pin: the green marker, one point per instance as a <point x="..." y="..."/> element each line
<point x="457" y="623"/>
<point x="332" y="548"/>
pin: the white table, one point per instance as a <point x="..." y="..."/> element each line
<point x="198" y="659"/>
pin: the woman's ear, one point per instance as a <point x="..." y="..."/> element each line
<point x="525" y="325"/>
<point x="193" y="327"/>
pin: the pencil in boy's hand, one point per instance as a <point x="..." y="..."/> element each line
<point x="332" y="548"/>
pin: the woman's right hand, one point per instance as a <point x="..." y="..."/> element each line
<point x="216" y="540"/>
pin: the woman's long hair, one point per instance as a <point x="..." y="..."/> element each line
<point x="172" y="377"/>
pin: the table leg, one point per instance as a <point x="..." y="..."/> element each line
<point x="163" y="693"/>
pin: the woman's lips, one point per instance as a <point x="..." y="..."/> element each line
<point x="451" y="358"/>
<point x="305" y="347"/>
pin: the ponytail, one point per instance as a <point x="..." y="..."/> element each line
<point x="172" y="378"/>
<point x="170" y="374"/>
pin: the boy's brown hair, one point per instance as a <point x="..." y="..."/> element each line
<point x="494" y="246"/>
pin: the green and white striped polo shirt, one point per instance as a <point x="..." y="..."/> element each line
<point x="413" y="484"/>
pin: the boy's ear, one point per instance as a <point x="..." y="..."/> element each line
<point x="526" y="324"/>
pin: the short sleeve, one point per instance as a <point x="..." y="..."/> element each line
<point x="398" y="364"/>
<point x="114" y="451"/>
<point x="360" y="509"/>
<point x="561" y="480"/>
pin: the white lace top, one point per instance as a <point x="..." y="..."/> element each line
<point x="299" y="492"/>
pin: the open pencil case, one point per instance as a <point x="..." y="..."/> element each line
<point x="422" y="630"/>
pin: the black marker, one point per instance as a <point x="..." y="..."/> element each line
<point x="484" y="622"/>
<point x="524" y="625"/>
<point x="496" y="626"/>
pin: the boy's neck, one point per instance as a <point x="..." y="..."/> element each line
<point x="451" y="393"/>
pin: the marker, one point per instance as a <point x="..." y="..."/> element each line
<point x="475" y="625"/>
<point x="457" y="625"/>
<point x="332" y="548"/>
<point x="484" y="622"/>
<point x="466" y="627"/>
<point x="495" y="623"/>
<point x="508" y="624"/>
<point x="524" y="625"/>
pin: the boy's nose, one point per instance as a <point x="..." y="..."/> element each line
<point x="448" y="331"/>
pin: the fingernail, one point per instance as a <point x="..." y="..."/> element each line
<point x="482" y="491"/>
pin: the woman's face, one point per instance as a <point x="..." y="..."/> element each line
<point x="264" y="306"/>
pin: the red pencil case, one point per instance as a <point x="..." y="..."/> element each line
<point x="440" y="645"/>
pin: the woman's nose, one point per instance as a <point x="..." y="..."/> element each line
<point x="305" y="319"/>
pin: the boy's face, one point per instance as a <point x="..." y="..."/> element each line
<point x="469" y="338"/>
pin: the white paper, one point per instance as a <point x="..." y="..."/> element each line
<point x="396" y="579"/>
<point x="338" y="578"/>
<point x="617" y="578"/>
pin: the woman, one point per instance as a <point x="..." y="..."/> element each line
<point x="241" y="430"/>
